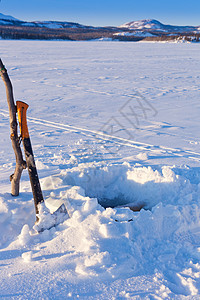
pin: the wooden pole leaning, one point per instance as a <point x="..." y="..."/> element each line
<point x="20" y="163"/>
<point x="32" y="171"/>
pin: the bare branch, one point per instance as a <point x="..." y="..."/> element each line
<point x="20" y="163"/>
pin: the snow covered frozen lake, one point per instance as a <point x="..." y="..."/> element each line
<point x="112" y="124"/>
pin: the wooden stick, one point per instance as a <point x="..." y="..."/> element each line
<point x="20" y="163"/>
<point x="30" y="161"/>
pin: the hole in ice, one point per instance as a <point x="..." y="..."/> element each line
<point x="121" y="203"/>
<point x="123" y="185"/>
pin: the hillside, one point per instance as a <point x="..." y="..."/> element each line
<point x="155" y="25"/>
<point x="8" y="18"/>
<point x="149" y="30"/>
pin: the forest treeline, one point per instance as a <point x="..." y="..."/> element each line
<point x="85" y="33"/>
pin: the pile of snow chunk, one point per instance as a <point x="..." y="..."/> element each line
<point x="116" y="185"/>
<point x="14" y="214"/>
<point x="116" y="242"/>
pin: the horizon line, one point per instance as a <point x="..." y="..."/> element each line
<point x="88" y="24"/>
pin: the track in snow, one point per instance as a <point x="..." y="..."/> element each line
<point x="156" y="149"/>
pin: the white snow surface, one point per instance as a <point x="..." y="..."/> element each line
<point x="113" y="126"/>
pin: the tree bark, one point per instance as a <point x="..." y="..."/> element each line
<point x="20" y="163"/>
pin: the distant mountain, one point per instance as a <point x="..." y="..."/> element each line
<point x="154" y="25"/>
<point x="54" y="24"/>
<point x="9" y="20"/>
<point x="5" y="17"/>
<point x="143" y="24"/>
<point x="149" y="30"/>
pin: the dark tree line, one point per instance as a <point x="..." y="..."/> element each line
<point x="85" y="33"/>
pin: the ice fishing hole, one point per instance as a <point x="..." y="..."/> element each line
<point x="124" y="185"/>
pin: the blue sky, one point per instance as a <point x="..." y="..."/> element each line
<point x="105" y="12"/>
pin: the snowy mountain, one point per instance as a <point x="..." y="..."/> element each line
<point x="149" y="29"/>
<point x="54" y="24"/>
<point x="143" y="24"/>
<point x="154" y="25"/>
<point x="7" y="20"/>
<point x="5" y="17"/>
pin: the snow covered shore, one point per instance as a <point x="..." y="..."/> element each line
<point x="113" y="126"/>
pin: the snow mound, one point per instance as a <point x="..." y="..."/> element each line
<point x="46" y="220"/>
<point x="115" y="185"/>
<point x="113" y="242"/>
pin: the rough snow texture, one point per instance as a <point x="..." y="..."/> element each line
<point x="98" y="158"/>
